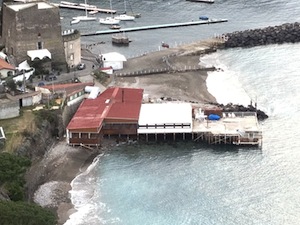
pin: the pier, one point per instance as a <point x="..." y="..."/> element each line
<point x="76" y="6"/>
<point x="231" y="128"/>
<point x="159" y="26"/>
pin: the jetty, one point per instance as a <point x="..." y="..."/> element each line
<point x="158" y="26"/>
<point x="77" y="6"/>
<point x="203" y="1"/>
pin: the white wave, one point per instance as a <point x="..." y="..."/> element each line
<point x="224" y="84"/>
<point x="85" y="198"/>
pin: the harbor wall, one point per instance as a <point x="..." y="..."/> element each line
<point x="285" y="33"/>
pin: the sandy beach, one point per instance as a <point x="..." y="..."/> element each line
<point x="62" y="163"/>
<point x="186" y="86"/>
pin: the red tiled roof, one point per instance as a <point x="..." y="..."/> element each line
<point x="5" y="65"/>
<point x="113" y="103"/>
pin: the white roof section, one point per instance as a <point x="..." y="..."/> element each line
<point x="113" y="57"/>
<point x="40" y="54"/>
<point x="164" y="116"/>
<point x="24" y="66"/>
<point x="3" y="55"/>
<point x="20" y="6"/>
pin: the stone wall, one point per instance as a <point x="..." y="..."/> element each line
<point x="285" y="33"/>
<point x="9" y="109"/>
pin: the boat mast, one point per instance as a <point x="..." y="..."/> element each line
<point x="85" y="9"/>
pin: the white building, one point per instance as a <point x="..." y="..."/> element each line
<point x="113" y="59"/>
<point x="162" y="118"/>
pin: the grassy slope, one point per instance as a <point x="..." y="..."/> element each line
<point x="14" y="129"/>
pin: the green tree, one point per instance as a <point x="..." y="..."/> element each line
<point x="11" y="84"/>
<point x="22" y="213"/>
<point x="12" y="170"/>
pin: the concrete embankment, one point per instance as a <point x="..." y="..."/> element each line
<point x="285" y="33"/>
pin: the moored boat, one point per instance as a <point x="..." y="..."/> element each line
<point x="125" y="17"/>
<point x="116" y="27"/>
<point x="109" y="21"/>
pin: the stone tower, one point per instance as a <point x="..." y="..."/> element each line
<point x="33" y="26"/>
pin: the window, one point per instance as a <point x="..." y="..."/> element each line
<point x="40" y="45"/>
<point x="93" y="136"/>
<point x="9" y="73"/>
<point x="84" y="135"/>
<point x="72" y="57"/>
<point x="74" y="135"/>
<point x="71" y="46"/>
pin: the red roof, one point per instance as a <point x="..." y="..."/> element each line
<point x="69" y="89"/>
<point x="113" y="103"/>
<point x="5" y="65"/>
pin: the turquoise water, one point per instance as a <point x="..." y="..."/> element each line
<point x="191" y="183"/>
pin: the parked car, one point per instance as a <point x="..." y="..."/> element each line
<point x="50" y="78"/>
<point x="40" y="84"/>
<point x="81" y="66"/>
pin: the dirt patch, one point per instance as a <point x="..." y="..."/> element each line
<point x="179" y="82"/>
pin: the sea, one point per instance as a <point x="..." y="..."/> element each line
<point x="188" y="183"/>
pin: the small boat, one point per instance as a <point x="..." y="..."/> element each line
<point x="115" y="27"/>
<point x="204" y="1"/>
<point x="74" y="21"/>
<point x="93" y="12"/>
<point x="109" y="21"/>
<point x="125" y="17"/>
<point x="77" y="19"/>
<point x="164" y="45"/>
<point x="203" y="18"/>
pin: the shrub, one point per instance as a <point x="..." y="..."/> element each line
<point x="12" y="170"/>
<point x="21" y="213"/>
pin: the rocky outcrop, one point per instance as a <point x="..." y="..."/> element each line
<point x="240" y="108"/>
<point x="285" y="33"/>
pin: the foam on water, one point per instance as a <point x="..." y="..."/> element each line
<point x="84" y="197"/>
<point x="224" y="84"/>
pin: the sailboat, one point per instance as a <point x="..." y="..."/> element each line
<point x="124" y="16"/>
<point x="77" y="19"/>
<point x="109" y="20"/>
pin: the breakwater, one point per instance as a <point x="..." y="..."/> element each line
<point x="285" y="33"/>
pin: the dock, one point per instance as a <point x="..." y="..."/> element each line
<point x="203" y="1"/>
<point x="159" y="26"/>
<point x="83" y="7"/>
<point x="235" y="128"/>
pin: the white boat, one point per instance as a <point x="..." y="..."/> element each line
<point x="109" y="21"/>
<point x="74" y="21"/>
<point x="125" y="17"/>
<point x="77" y="19"/>
<point x="93" y="12"/>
